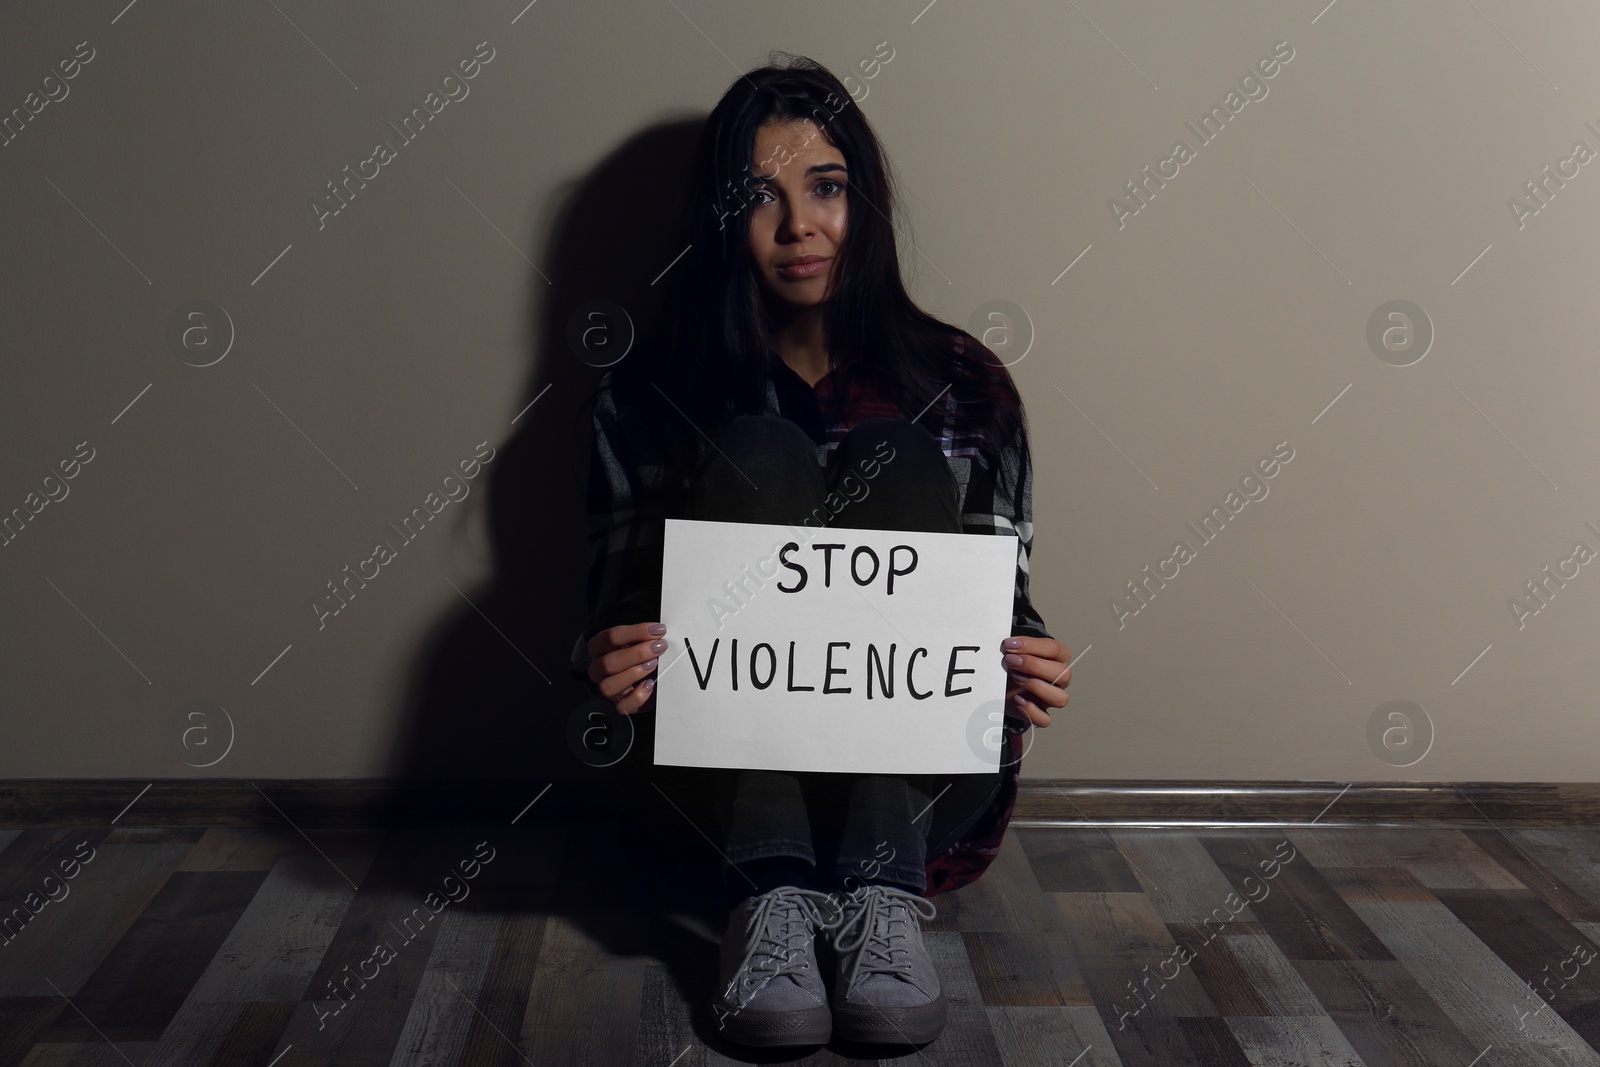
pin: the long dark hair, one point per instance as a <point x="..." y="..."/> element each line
<point x="712" y="360"/>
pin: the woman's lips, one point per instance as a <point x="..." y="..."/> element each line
<point x="809" y="269"/>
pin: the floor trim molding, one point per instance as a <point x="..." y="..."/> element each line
<point x="356" y="802"/>
<point x="1268" y="804"/>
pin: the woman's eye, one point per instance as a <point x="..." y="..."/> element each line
<point x="838" y="187"/>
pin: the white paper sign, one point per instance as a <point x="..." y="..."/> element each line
<point x="821" y="649"/>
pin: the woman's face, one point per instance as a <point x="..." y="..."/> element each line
<point x="797" y="212"/>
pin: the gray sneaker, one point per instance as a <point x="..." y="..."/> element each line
<point x="770" y="990"/>
<point x="886" y="990"/>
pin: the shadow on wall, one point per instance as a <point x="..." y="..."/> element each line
<point x="490" y="696"/>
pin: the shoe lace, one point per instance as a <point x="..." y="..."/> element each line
<point x="776" y="928"/>
<point x="876" y="924"/>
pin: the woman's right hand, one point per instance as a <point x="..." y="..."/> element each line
<point x="620" y="661"/>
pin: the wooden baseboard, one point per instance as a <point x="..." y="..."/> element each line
<point x="303" y="802"/>
<point x="345" y="802"/>
<point x="1437" y="804"/>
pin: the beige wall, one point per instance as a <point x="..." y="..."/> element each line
<point x="374" y="350"/>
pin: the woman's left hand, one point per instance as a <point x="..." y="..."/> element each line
<point x="1039" y="675"/>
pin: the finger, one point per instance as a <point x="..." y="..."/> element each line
<point x="1026" y="645"/>
<point x="632" y="655"/>
<point x="1044" y="693"/>
<point x="1013" y="661"/>
<point x="1043" y="647"/>
<point x="1018" y="683"/>
<point x="623" y="699"/>
<point x="1024" y="707"/>
<point x="1036" y="666"/>
<point x="604" y="641"/>
<point x="637" y="697"/>
<point x="600" y="666"/>
<point x="614" y="685"/>
<point x="622" y="635"/>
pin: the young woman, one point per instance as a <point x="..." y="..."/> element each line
<point x="795" y="361"/>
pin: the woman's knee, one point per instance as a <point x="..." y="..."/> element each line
<point x="898" y="476"/>
<point x="762" y="469"/>
<point x="886" y="440"/>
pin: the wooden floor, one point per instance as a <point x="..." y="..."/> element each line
<point x="576" y="945"/>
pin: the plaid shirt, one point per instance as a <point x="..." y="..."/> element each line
<point x="626" y="527"/>
<point x="625" y="532"/>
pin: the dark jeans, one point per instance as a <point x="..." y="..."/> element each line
<point x="846" y="829"/>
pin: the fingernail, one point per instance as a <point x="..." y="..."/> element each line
<point x="659" y="646"/>
<point x="1020" y="702"/>
<point x="650" y="664"/>
<point x="657" y="628"/>
<point x="648" y="683"/>
<point x="1012" y="661"/>
<point x="1012" y="642"/>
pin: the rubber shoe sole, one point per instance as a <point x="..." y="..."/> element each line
<point x="889" y="1026"/>
<point x="769" y="1029"/>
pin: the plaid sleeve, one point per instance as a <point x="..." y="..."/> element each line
<point x="1011" y="509"/>
<point x="620" y="581"/>
<point x="965" y="861"/>
<point x="1001" y="499"/>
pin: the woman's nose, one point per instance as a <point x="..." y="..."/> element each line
<point x="797" y="224"/>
